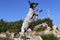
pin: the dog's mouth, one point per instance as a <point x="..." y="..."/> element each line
<point x="36" y="4"/>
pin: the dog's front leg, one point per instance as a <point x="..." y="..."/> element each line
<point x="34" y="15"/>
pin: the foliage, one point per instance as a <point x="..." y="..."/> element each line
<point x="49" y="37"/>
<point x="40" y="29"/>
<point x="48" y="21"/>
<point x="12" y="26"/>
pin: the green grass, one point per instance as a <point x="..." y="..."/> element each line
<point x="49" y="37"/>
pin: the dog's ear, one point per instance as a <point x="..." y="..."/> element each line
<point x="29" y="2"/>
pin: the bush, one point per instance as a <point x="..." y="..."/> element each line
<point x="40" y="29"/>
<point x="49" y="37"/>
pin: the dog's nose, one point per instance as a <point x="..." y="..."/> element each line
<point x="36" y="3"/>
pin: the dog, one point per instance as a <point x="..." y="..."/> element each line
<point x="30" y="17"/>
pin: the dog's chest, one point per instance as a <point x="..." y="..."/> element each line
<point x="30" y="13"/>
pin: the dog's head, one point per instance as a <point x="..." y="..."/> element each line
<point x="32" y="5"/>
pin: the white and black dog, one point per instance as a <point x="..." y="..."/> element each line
<point x="30" y="17"/>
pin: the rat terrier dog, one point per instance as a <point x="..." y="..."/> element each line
<point x="29" y="18"/>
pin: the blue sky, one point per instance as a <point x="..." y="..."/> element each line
<point x="13" y="10"/>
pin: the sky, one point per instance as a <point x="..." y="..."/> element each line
<point x="14" y="10"/>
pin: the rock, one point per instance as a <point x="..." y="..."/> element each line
<point x="33" y="38"/>
<point x="2" y="35"/>
<point x="36" y="38"/>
